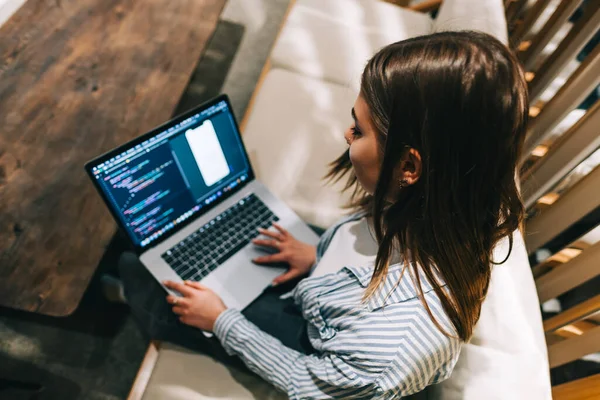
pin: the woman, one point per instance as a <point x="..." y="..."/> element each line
<point x="396" y="288"/>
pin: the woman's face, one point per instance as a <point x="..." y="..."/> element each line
<point x="365" y="155"/>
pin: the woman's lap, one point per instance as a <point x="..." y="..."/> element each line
<point x="147" y="299"/>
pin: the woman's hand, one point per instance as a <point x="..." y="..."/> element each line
<point x="199" y="307"/>
<point x="299" y="255"/>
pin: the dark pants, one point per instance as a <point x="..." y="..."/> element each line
<point x="147" y="299"/>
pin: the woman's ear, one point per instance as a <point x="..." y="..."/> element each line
<point x="410" y="167"/>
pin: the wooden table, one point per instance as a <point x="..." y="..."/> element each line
<point x="77" y="78"/>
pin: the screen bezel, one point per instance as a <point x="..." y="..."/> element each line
<point x="159" y="129"/>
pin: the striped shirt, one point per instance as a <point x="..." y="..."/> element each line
<point x="384" y="348"/>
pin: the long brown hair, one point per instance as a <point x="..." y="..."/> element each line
<point x="459" y="99"/>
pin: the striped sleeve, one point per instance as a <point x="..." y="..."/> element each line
<point x="424" y="354"/>
<point x="324" y="376"/>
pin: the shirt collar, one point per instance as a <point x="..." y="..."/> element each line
<point x="398" y="285"/>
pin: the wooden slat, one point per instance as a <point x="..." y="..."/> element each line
<point x="582" y="389"/>
<point x="553" y="338"/>
<point x="571" y="206"/>
<point x="568" y="49"/>
<point x="562" y="13"/>
<point x="532" y="15"/>
<point x="573" y="92"/>
<point x="566" y="153"/>
<point x="145" y="372"/>
<point x="574" y="348"/>
<point x="513" y="10"/>
<point x="400" y="3"/>
<point x="565" y="255"/>
<point x="544" y="268"/>
<point x="576" y="328"/>
<point x="77" y="78"/>
<point x="426" y="6"/>
<point x="573" y="314"/>
<point x="569" y="275"/>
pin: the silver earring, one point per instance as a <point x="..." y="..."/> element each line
<point x="403" y="183"/>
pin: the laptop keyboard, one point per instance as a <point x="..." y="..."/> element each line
<point x="201" y="252"/>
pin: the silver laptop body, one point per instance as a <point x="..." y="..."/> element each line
<point x="154" y="233"/>
<point x="238" y="281"/>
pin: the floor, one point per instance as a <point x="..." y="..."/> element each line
<point x="96" y="352"/>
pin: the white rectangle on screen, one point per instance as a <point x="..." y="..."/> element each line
<point x="208" y="153"/>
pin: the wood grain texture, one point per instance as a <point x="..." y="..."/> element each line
<point x="426" y="6"/>
<point x="582" y="389"/>
<point x="573" y="314"/>
<point x="574" y="348"/>
<point x="77" y="78"/>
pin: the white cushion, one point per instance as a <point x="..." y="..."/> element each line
<point x="180" y="374"/>
<point x="333" y="39"/>
<point x="8" y="8"/>
<point x="295" y="129"/>
<point x="479" y="15"/>
<point x="506" y="357"/>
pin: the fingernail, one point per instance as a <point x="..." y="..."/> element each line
<point x="273" y="284"/>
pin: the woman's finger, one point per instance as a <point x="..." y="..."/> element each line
<point x="179" y="310"/>
<point x="271" y="258"/>
<point x="177" y="300"/>
<point x="179" y="287"/>
<point x="274" y="235"/>
<point x="280" y="228"/>
<point x="195" y="285"/>
<point x="267" y="243"/>
<point x="288" y="276"/>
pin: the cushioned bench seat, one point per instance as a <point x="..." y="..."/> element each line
<point x="180" y="374"/>
<point x="296" y="128"/>
<point x="333" y="39"/>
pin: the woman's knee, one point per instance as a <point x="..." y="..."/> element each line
<point x="132" y="271"/>
<point x="128" y="260"/>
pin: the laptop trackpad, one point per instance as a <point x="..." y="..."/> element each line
<point x="239" y="281"/>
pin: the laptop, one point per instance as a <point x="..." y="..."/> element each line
<point x="187" y="198"/>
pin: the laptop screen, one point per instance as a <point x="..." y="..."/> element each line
<point x="160" y="181"/>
